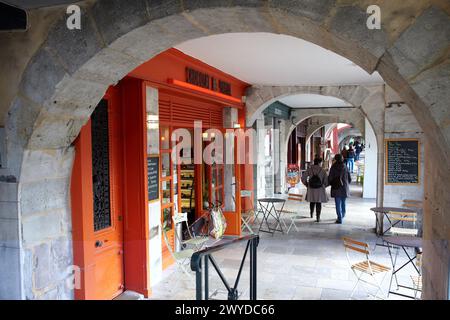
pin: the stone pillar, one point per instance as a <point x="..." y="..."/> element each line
<point x="371" y="163"/>
<point x="276" y="157"/>
<point x="3" y="147"/>
<point x="230" y="117"/>
<point x="269" y="154"/>
<point x="46" y="224"/>
<point x="10" y="262"/>
<point x="380" y="170"/>
<point x="436" y="237"/>
<point x="284" y="126"/>
<point x="260" y="177"/>
<point x="154" y="208"/>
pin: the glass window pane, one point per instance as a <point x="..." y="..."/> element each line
<point x="165" y="165"/>
<point x="100" y="167"/>
<point x="167" y="218"/>
<point x="214" y="176"/>
<point x="165" y="138"/>
<point x="206" y="186"/>
<point x="165" y="187"/>
<point x="219" y="195"/>
<point x="220" y="175"/>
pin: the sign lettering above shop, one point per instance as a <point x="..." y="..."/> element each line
<point x="203" y="80"/>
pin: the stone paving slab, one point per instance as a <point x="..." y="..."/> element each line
<point x="308" y="264"/>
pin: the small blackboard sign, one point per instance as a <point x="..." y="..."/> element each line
<point x="153" y="177"/>
<point x="402" y="161"/>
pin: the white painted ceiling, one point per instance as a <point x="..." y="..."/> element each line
<point x="313" y="101"/>
<point x="271" y="59"/>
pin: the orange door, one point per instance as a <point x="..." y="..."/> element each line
<point x="106" y="137"/>
<point x="97" y="203"/>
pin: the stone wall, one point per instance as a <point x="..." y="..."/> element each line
<point x="400" y="123"/>
<point x="46" y="226"/>
<point x="10" y="262"/>
<point x="436" y="231"/>
<point x="154" y="208"/>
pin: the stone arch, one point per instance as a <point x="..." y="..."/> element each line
<point x="69" y="74"/>
<point x="366" y="99"/>
<point x="323" y="123"/>
<point x="348" y="133"/>
<point x="353" y="116"/>
<point x="332" y="127"/>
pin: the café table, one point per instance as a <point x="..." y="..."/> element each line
<point x="379" y="218"/>
<point x="268" y="209"/>
<point x="403" y="242"/>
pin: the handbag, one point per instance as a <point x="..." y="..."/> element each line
<point x="219" y="222"/>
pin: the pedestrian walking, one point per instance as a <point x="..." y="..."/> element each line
<point x="350" y="158"/>
<point x="316" y="180"/>
<point x="358" y="150"/>
<point x="339" y="179"/>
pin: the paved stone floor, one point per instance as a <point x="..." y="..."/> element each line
<point x="308" y="264"/>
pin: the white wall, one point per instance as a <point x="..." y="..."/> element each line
<point x="154" y="208"/>
<point x="370" y="174"/>
<point x="401" y="123"/>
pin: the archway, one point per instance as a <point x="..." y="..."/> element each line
<point x="71" y="71"/>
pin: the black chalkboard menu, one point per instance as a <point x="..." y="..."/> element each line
<point x="153" y="177"/>
<point x="402" y="161"/>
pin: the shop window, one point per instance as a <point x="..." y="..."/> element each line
<point x="165" y="138"/>
<point x="165" y="164"/>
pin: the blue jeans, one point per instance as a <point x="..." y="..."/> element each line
<point x="340" y="207"/>
<point x="350" y="163"/>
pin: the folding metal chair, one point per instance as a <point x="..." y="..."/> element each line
<point x="417" y="280"/>
<point x="182" y="258"/>
<point x="417" y="206"/>
<point x="365" y="267"/>
<point x="248" y="216"/>
<point x="194" y="240"/>
<point x="409" y="203"/>
<point x="399" y="218"/>
<point x="291" y="212"/>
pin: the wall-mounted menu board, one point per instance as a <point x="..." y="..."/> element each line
<point x="402" y="161"/>
<point x="153" y="177"/>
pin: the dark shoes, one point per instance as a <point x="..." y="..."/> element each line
<point x="312" y="214"/>
<point x="338" y="221"/>
<point x="318" y="219"/>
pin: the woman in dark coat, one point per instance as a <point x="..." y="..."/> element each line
<point x="339" y="179"/>
<point x="316" y="194"/>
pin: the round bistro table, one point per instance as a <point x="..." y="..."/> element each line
<point x="384" y="211"/>
<point x="268" y="209"/>
<point x="403" y="242"/>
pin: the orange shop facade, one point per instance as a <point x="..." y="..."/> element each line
<point x="125" y="186"/>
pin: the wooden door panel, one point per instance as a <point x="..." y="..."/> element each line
<point x="107" y="261"/>
<point x="107" y="197"/>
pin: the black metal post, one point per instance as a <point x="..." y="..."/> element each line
<point x="206" y="255"/>
<point x="253" y="266"/>
<point x="206" y="258"/>
<point x="198" y="280"/>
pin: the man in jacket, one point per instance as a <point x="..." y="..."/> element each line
<point x="339" y="179"/>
